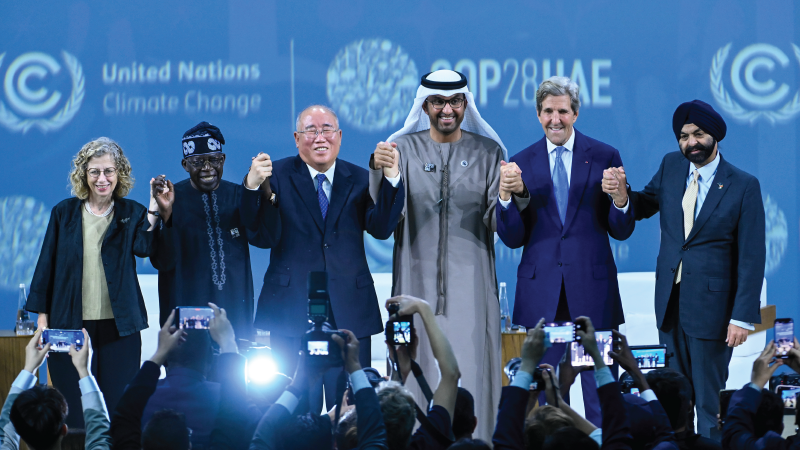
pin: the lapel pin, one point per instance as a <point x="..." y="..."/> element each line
<point x="720" y="185"/>
<point x="587" y="162"/>
<point x="235" y="232"/>
<point x="464" y="163"/>
<point x="430" y="167"/>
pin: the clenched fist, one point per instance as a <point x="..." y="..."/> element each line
<point x="510" y="180"/>
<point x="615" y="184"/>
<point x="387" y="157"/>
<point x="260" y="171"/>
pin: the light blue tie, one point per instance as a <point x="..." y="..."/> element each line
<point x="561" y="185"/>
<point x="323" y="199"/>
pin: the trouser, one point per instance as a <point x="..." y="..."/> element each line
<point x="115" y="362"/>
<point x="703" y="361"/>
<point x="591" y="402"/>
<point x="285" y="351"/>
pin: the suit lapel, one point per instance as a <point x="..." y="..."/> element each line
<point x="301" y="179"/>
<point x="540" y="183"/>
<point x="340" y="191"/>
<point x="581" y="165"/>
<point x="717" y="190"/>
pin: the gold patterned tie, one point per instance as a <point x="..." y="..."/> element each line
<point x="689" y="202"/>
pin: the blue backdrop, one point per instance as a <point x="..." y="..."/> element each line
<point x="144" y="72"/>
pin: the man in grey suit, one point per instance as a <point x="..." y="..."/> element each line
<point x="710" y="265"/>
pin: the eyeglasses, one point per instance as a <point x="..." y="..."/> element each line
<point x="312" y="133"/>
<point x="199" y="163"/>
<point x="438" y="103"/>
<point x="108" y="172"/>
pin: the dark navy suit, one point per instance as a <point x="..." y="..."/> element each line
<point x="302" y="242"/>
<point x="576" y="255"/>
<point x="722" y="273"/>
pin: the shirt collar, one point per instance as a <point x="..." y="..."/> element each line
<point x="328" y="173"/>
<point x="707" y="171"/>
<point x="567" y="145"/>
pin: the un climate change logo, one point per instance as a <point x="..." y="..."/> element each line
<point x="766" y="97"/>
<point x="36" y="104"/>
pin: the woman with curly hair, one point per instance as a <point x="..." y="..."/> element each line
<point x="86" y="273"/>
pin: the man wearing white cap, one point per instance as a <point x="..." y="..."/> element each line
<point x="449" y="160"/>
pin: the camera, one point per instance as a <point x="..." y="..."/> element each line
<point x="512" y="367"/>
<point x="399" y="331"/>
<point x="317" y="344"/>
<point x="787" y="385"/>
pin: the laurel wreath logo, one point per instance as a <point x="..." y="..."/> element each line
<point x="63" y="116"/>
<point x="730" y="106"/>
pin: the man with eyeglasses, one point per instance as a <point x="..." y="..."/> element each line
<point x="449" y="161"/>
<point x="314" y="209"/>
<point x="203" y="254"/>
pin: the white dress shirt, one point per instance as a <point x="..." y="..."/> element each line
<point x="327" y="185"/>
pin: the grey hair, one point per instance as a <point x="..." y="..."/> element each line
<point x="399" y="413"/>
<point x="322" y="107"/>
<point x="95" y="149"/>
<point x="557" y="86"/>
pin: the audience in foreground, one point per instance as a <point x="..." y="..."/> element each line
<point x="37" y="414"/>
<point x="755" y="415"/>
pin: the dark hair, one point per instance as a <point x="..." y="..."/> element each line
<point x="769" y="416"/>
<point x="674" y="392"/>
<point x="195" y="353"/>
<point x="464" y="414"/>
<point x="74" y="440"/>
<point x="166" y="431"/>
<point x="569" y="438"/>
<point x="38" y="415"/>
<point x="308" y="431"/>
<point x="470" y="444"/>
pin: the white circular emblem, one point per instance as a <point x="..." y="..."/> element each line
<point x="371" y="82"/>
<point x="763" y="96"/>
<point x="36" y="104"/>
<point x="213" y="144"/>
<point x="188" y="148"/>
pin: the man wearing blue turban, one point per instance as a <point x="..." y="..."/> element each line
<point x="710" y="265"/>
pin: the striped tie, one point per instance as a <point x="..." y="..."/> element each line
<point x="689" y="202"/>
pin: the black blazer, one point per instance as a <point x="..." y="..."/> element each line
<point x="57" y="281"/>
<point x="724" y="255"/>
<point x="302" y="242"/>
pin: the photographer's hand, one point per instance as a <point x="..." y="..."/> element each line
<point x="349" y="350"/>
<point x="793" y="361"/>
<point x="567" y="372"/>
<point x="34" y="356"/>
<point x="762" y="370"/>
<point x="624" y="357"/>
<point x="168" y="338"/>
<point x="408" y="305"/>
<point x="533" y="348"/>
<point x="589" y="342"/>
<point x="82" y="359"/>
<point x="221" y="330"/>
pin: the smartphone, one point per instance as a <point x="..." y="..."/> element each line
<point x="650" y="356"/>
<point x="784" y="336"/>
<point x="560" y="332"/>
<point x="635" y="391"/>
<point x="604" y="344"/>
<point x="60" y="340"/>
<point x="193" y="318"/>
<point x="788" y="396"/>
<point x="724" y="401"/>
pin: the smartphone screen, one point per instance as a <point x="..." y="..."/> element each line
<point x="560" y="333"/>
<point x="604" y="344"/>
<point x="635" y="391"/>
<point x="60" y="340"/>
<point x="784" y="336"/>
<point x="650" y="357"/>
<point x="724" y="401"/>
<point x="318" y="348"/>
<point x="402" y="332"/>
<point x="194" y="318"/>
<point x="788" y="396"/>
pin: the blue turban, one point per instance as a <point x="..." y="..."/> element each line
<point x="701" y="114"/>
